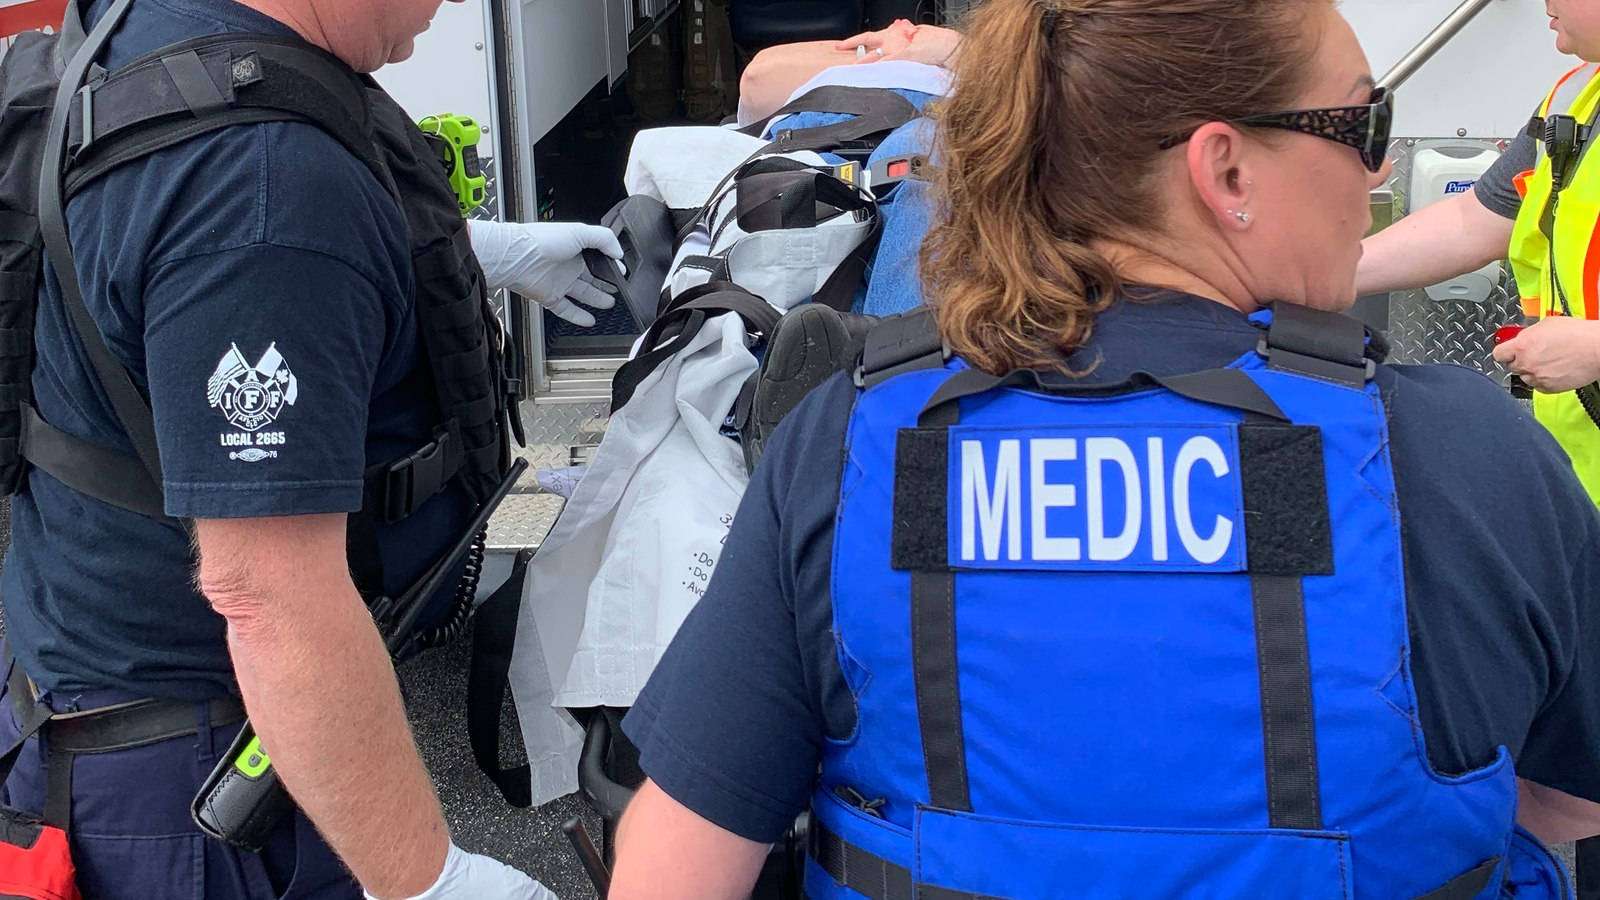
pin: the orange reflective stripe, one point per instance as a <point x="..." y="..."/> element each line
<point x="1520" y="182"/>
<point x="1544" y="109"/>
<point x="1591" y="276"/>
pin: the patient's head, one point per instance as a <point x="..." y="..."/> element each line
<point x="1091" y="143"/>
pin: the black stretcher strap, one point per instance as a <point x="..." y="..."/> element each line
<point x="881" y="103"/>
<point x="773" y="201"/>
<point x="680" y="322"/>
<point x="871" y="875"/>
<point x="880" y="112"/>
<point x="488" y="679"/>
<point x="775" y="193"/>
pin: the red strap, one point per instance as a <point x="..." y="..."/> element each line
<point x="31" y="14"/>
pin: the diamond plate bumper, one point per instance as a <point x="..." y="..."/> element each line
<point x="556" y="432"/>
<point x="1423" y="330"/>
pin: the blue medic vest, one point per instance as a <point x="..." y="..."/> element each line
<point x="1146" y="640"/>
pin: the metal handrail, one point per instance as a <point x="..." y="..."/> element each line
<point x="1432" y="43"/>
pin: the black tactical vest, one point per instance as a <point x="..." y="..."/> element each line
<point x="170" y="96"/>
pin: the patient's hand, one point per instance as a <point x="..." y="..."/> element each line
<point x="927" y="44"/>
<point x="886" y="43"/>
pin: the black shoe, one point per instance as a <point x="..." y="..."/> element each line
<point x="810" y="343"/>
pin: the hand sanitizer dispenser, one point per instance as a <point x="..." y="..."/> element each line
<point x="1440" y="169"/>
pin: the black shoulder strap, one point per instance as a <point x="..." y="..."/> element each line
<point x="1230" y="388"/>
<point x="1321" y="344"/>
<point x="132" y="410"/>
<point x="901" y="343"/>
<point x="215" y="82"/>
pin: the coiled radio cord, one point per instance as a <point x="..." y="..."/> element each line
<point x="465" y="600"/>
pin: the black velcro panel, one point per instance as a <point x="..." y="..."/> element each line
<point x="1287" y="529"/>
<point x="921" y="483"/>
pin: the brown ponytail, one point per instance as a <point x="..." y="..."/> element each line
<point x="1048" y="141"/>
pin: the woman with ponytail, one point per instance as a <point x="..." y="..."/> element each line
<point x="1156" y="581"/>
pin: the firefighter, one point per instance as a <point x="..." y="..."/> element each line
<point x="288" y="398"/>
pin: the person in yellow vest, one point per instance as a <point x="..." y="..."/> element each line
<point x="1542" y="199"/>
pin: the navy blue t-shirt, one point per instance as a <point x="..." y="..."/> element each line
<point x="1501" y="549"/>
<point x="257" y="284"/>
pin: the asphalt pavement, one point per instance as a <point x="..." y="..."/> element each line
<point x="435" y="686"/>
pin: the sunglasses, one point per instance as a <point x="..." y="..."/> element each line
<point x="1364" y="128"/>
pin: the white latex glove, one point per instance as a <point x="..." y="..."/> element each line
<point x="468" y="876"/>
<point x="543" y="261"/>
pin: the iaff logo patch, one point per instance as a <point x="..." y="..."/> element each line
<point x="251" y="398"/>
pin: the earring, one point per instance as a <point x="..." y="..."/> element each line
<point x="1241" y="215"/>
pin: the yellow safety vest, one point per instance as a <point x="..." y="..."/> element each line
<point x="1574" y="262"/>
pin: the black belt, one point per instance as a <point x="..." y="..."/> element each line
<point x="108" y="729"/>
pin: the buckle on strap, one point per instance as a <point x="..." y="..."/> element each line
<point x="886" y="173"/>
<point x="86" y="133"/>
<point x="411" y="480"/>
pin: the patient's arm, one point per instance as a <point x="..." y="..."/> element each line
<point x="777" y="72"/>
<point x="1555" y="817"/>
